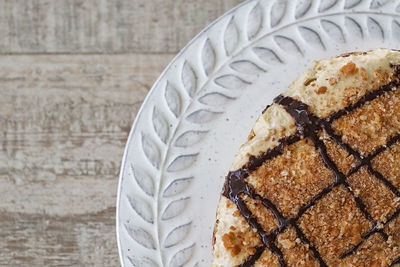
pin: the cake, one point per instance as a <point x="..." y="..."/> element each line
<point x="318" y="181"/>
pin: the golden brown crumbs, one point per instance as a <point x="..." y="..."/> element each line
<point x="372" y="124"/>
<point x="379" y="201"/>
<point x="295" y="252"/>
<point x="374" y="252"/>
<point x="264" y="216"/>
<point x="388" y="164"/>
<point x="332" y="81"/>
<point x="293" y="178"/>
<point x="349" y="68"/>
<point x="321" y="90"/>
<point x="308" y="81"/>
<point x="334" y="224"/>
<point x="267" y="259"/>
<point x="343" y="160"/>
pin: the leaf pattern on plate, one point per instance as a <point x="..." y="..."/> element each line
<point x="302" y="7"/>
<point x="375" y="29"/>
<point x="182" y="257"/>
<point x="142" y="208"/>
<point x="378" y="3"/>
<point x="231" y="81"/>
<point x="151" y="151"/>
<point x="177" y="235"/>
<point x="160" y="125"/>
<point x="141" y="236"/>
<point x="177" y="186"/>
<point x="231" y="37"/>
<point x="202" y="116"/>
<point x="189" y="138"/>
<point x="312" y="37"/>
<point x="351" y="3"/>
<point x="326" y="4"/>
<point x="182" y="162"/>
<point x="173" y="99"/>
<point x="144" y="180"/>
<point x="246" y="67"/>
<point x="143" y="262"/>
<point x="353" y="28"/>
<point x="277" y="12"/>
<point x="254" y="22"/>
<point x="189" y="79"/>
<point x="333" y="31"/>
<point x="267" y="55"/>
<point x="208" y="57"/>
<point x="396" y="29"/>
<point x="287" y="44"/>
<point x="215" y="99"/>
<point x="174" y="208"/>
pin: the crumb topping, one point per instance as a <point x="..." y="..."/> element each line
<point x="340" y="207"/>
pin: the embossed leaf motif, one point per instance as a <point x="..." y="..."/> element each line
<point x="177" y="235"/>
<point x="302" y="7"/>
<point x="160" y="125"/>
<point x="246" y="66"/>
<point x="215" y="99"/>
<point x="189" y="138"/>
<point x="182" y="162"/>
<point x="311" y="37"/>
<point x="287" y="44"/>
<point x="333" y="30"/>
<point x="181" y="257"/>
<point x="141" y="236"/>
<point x="378" y="3"/>
<point x="189" y="79"/>
<point x="202" y="116"/>
<point x="351" y="3"/>
<point x="254" y="22"/>
<point x="277" y="12"/>
<point x="177" y="186"/>
<point x="231" y="37"/>
<point x="375" y="29"/>
<point x="143" y="262"/>
<point x="230" y="81"/>
<point x="208" y="57"/>
<point x="267" y="55"/>
<point x="175" y="208"/>
<point x="144" y="180"/>
<point x="151" y="151"/>
<point x="173" y="99"/>
<point x="396" y="29"/>
<point x="326" y="4"/>
<point x="142" y="208"/>
<point x="354" y="29"/>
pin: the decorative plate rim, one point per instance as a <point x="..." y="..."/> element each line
<point x="145" y="101"/>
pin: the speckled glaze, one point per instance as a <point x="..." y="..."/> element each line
<point x="202" y="107"/>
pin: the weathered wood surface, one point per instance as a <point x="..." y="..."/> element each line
<point x="64" y="121"/>
<point x="104" y="26"/>
<point x="73" y="74"/>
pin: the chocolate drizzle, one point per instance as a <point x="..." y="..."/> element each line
<point x="309" y="127"/>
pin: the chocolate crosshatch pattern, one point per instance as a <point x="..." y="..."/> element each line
<point x="347" y="175"/>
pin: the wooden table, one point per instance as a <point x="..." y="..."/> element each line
<point x="73" y="74"/>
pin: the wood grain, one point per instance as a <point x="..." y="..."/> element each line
<point x="64" y="121"/>
<point x="103" y="26"/>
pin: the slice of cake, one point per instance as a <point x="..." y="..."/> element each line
<point x="318" y="181"/>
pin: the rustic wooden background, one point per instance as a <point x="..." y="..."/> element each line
<point x="73" y="74"/>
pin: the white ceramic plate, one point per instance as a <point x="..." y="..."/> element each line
<point x="202" y="107"/>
